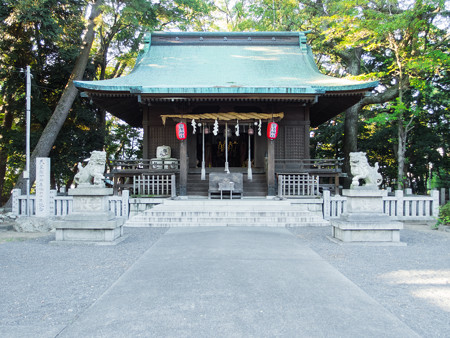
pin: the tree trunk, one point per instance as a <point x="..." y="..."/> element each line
<point x="62" y="109"/>
<point x="7" y="124"/>
<point x="401" y="154"/>
<point x="350" y="139"/>
<point x="353" y="61"/>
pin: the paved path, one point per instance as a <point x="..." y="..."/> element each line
<point x="234" y="282"/>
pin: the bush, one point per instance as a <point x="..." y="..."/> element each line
<point x="444" y="214"/>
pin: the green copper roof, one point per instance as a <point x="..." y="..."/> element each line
<point x="225" y="63"/>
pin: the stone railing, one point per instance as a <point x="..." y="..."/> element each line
<point x="333" y="206"/>
<point x="400" y="207"/>
<point x="62" y="205"/>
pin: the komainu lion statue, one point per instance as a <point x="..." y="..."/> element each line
<point x="92" y="173"/>
<point x="361" y="169"/>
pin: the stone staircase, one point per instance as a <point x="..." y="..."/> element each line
<point x="240" y="212"/>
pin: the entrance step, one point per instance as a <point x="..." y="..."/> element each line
<point x="245" y="212"/>
<point x="257" y="187"/>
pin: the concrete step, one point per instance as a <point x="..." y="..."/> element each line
<point x="234" y="220"/>
<point x="260" y="224"/>
<point x="251" y="212"/>
<point x="225" y="213"/>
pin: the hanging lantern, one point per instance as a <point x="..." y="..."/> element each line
<point x="272" y="130"/>
<point x="181" y="131"/>
<point x="250" y="131"/>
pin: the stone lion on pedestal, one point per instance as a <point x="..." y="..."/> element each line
<point x="361" y="169"/>
<point x="92" y="173"/>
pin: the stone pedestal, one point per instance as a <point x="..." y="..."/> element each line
<point x="364" y="222"/>
<point x="91" y="220"/>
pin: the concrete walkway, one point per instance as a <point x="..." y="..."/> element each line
<point x="234" y="282"/>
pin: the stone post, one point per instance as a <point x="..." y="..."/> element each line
<point x="15" y="201"/>
<point x="42" y="187"/>
<point x="51" y="201"/>
<point x="435" y="207"/>
<point x="326" y="204"/>
<point x="400" y="204"/>
<point x="442" y="199"/>
<point x="125" y="203"/>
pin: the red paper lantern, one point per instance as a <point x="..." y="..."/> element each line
<point x="181" y="131"/>
<point x="272" y="130"/>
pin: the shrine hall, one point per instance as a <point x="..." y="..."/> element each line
<point x="225" y="112"/>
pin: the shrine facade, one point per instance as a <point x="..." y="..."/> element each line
<point x="225" y="89"/>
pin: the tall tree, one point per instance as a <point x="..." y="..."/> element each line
<point x="54" y="125"/>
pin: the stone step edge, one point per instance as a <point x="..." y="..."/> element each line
<point x="169" y="225"/>
<point x="234" y="220"/>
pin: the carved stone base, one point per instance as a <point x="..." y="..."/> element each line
<point x="364" y="222"/>
<point x="91" y="220"/>
<point x="367" y="231"/>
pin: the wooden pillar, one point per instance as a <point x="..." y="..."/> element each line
<point x="271" y="191"/>
<point x="183" y="166"/>
<point x="307" y="120"/>
<point x="146" y="129"/>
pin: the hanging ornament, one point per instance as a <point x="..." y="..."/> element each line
<point x="259" y="128"/>
<point x="194" y="126"/>
<point x="272" y="130"/>
<point x="206" y="130"/>
<point x="251" y="131"/>
<point x="216" y="128"/>
<point x="181" y="131"/>
<point x="228" y="132"/>
<point x="237" y="128"/>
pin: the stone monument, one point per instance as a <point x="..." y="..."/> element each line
<point x="91" y="220"/>
<point x="364" y="221"/>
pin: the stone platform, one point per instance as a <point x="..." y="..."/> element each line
<point x="364" y="222"/>
<point x="91" y="221"/>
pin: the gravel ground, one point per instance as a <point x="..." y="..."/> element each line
<point x="45" y="287"/>
<point x="412" y="282"/>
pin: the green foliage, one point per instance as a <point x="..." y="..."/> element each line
<point x="444" y="214"/>
<point x="122" y="141"/>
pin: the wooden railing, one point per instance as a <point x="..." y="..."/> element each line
<point x="123" y="172"/>
<point x="298" y="185"/>
<point x="308" y="165"/>
<point x="145" y="165"/>
<point x="154" y="185"/>
<point x="328" y="171"/>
